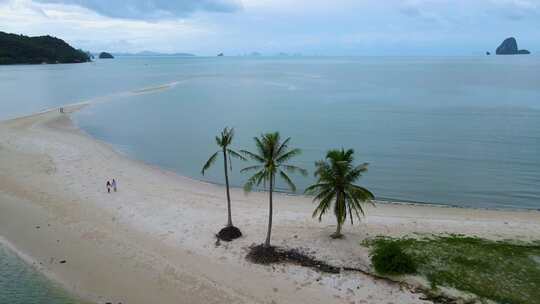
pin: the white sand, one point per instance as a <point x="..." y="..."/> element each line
<point x="153" y="241"/>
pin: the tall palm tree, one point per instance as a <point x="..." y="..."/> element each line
<point x="271" y="157"/>
<point x="224" y="140"/>
<point x="336" y="176"/>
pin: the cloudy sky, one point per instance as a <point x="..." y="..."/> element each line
<point x="312" y="27"/>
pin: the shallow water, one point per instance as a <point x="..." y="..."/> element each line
<point x="22" y="284"/>
<point x="463" y="131"/>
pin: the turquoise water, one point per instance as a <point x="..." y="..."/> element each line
<point x="463" y="131"/>
<point x="21" y="284"/>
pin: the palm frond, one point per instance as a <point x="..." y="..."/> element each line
<point x="283" y="147"/>
<point x="335" y="178"/>
<point x="294" y="169"/>
<point x="253" y="156"/>
<point x="288" y="155"/>
<point x="324" y="205"/>
<point x="251" y="168"/>
<point x="313" y="188"/>
<point x="236" y="154"/>
<point x="209" y="162"/>
<point x="288" y="180"/>
<point x="254" y="180"/>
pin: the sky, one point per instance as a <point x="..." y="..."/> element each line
<point x="309" y="27"/>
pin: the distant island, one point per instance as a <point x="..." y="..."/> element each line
<point x="20" y="49"/>
<point x="510" y="47"/>
<point x="156" y="54"/>
<point x="105" y="55"/>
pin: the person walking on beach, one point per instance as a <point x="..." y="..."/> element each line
<point x="114" y="184"/>
<point x="108" y="187"/>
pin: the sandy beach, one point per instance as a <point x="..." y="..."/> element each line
<point x="153" y="241"/>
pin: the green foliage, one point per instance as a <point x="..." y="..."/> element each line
<point x="335" y="184"/>
<point x="389" y="258"/>
<point x="223" y="141"/>
<point x="271" y="157"/>
<point x="19" y="49"/>
<point x="502" y="271"/>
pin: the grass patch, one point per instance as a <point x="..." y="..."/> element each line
<point x="390" y="258"/>
<point x="505" y="272"/>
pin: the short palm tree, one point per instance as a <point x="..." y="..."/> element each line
<point x="271" y="157"/>
<point x="224" y="140"/>
<point x="336" y="176"/>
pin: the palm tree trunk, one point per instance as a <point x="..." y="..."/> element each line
<point x="229" y="216"/>
<point x="339" y="217"/>
<point x="338" y="234"/>
<point x="269" y="231"/>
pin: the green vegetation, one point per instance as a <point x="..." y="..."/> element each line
<point x="389" y="258"/>
<point x="19" y="49"/>
<point x="272" y="156"/>
<point x="224" y="141"/>
<point x="336" y="176"/>
<point x="502" y="271"/>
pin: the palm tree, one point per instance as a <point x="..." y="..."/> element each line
<point x="271" y="157"/>
<point x="224" y="140"/>
<point x="336" y="176"/>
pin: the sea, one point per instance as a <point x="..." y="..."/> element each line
<point x="459" y="131"/>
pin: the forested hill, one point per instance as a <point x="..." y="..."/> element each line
<point x="19" y="49"/>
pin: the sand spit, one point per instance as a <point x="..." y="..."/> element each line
<point x="153" y="241"/>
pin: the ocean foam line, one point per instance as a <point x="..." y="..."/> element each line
<point x="75" y="106"/>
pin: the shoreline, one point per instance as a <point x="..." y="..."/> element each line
<point x="35" y="265"/>
<point x="381" y="200"/>
<point x="153" y="241"/>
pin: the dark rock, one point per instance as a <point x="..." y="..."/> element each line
<point x="105" y="55"/>
<point x="229" y="233"/>
<point x="510" y="47"/>
<point x="488" y="53"/>
<point x="62" y="262"/>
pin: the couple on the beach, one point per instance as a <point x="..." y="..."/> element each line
<point x="111" y="185"/>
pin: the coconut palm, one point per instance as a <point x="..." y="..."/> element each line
<point x="271" y="157"/>
<point x="224" y="140"/>
<point x="336" y="176"/>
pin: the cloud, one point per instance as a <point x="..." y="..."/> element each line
<point x="338" y="27"/>
<point x="517" y="9"/>
<point x="152" y="9"/>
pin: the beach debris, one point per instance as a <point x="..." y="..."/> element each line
<point x="62" y="262"/>
<point x="37" y="227"/>
<point x="260" y="254"/>
<point x="229" y="233"/>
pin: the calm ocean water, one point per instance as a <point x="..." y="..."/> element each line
<point x="21" y="284"/>
<point x="463" y="131"/>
